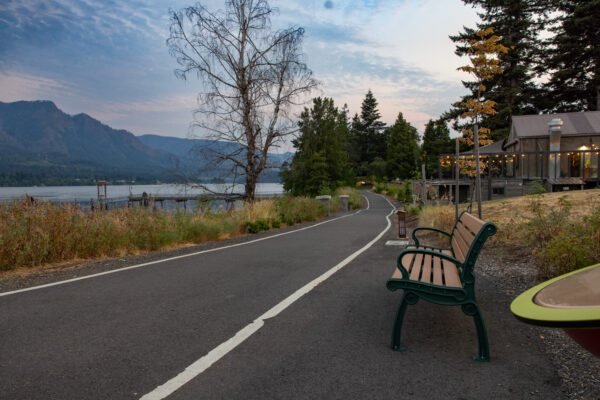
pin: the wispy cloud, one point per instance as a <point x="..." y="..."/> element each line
<point x="18" y="86"/>
<point x="108" y="18"/>
<point x="169" y="103"/>
<point x="108" y="58"/>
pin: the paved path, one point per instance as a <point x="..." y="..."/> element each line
<point x="150" y="330"/>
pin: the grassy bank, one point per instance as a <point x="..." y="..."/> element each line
<point x="561" y="231"/>
<point x="44" y="233"/>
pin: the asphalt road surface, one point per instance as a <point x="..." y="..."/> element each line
<point x="304" y="314"/>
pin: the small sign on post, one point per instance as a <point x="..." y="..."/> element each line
<point x="401" y="223"/>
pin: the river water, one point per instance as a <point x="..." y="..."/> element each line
<point x="120" y="193"/>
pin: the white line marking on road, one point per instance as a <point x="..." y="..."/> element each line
<point x="172" y="258"/>
<point x="221" y="350"/>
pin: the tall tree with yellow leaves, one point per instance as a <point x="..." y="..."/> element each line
<point x="484" y="56"/>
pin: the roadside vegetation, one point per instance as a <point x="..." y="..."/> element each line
<point x="559" y="231"/>
<point x="45" y="233"/>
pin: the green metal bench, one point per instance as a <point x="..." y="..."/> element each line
<point x="443" y="275"/>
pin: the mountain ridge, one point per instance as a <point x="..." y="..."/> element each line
<point x="41" y="144"/>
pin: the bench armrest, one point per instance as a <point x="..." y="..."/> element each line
<point x="406" y="275"/>
<point x="421" y="246"/>
<point x="427" y="228"/>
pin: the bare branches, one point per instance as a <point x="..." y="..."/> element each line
<point x="251" y="79"/>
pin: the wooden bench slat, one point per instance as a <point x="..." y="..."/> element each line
<point x="397" y="274"/>
<point x="426" y="270"/>
<point x="451" y="276"/>
<point x="407" y="262"/>
<point x="458" y="252"/>
<point x="465" y="236"/>
<point x="416" y="268"/>
<point x="465" y="232"/>
<point x="472" y="222"/>
<point x="437" y="271"/>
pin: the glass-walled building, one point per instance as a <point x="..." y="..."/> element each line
<point x="559" y="150"/>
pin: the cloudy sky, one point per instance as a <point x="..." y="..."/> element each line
<point x="109" y="59"/>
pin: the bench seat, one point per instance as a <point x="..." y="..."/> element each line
<point x="443" y="275"/>
<point x="430" y="269"/>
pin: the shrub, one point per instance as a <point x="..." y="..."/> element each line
<point x="256" y="226"/>
<point x="379" y="187"/>
<point x="392" y="191"/>
<point x="560" y="245"/>
<point x="405" y="192"/>
<point x="573" y="248"/>
<point x="298" y="209"/>
<point x="545" y="222"/>
<point x="537" y="187"/>
<point x="412" y="209"/>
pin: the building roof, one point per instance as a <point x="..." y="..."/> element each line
<point x="575" y="123"/>
<point x="492" y="148"/>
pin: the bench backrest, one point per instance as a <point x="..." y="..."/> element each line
<point x="468" y="236"/>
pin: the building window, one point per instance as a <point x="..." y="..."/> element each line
<point x="498" y="190"/>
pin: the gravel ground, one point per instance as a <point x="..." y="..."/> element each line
<point x="579" y="370"/>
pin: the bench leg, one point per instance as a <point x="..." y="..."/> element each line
<point x="407" y="298"/>
<point x="484" y="350"/>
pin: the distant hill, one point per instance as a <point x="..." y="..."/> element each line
<point x="188" y="154"/>
<point x="40" y="144"/>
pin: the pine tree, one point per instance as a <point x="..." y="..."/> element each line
<point x="436" y="141"/>
<point x="484" y="64"/>
<point x="516" y="22"/>
<point x="572" y="57"/>
<point x="369" y="137"/>
<point x="403" y="149"/>
<point x="321" y="161"/>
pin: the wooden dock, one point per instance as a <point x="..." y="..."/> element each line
<point x="148" y="200"/>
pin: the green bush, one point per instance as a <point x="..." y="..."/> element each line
<point x="405" y="192"/>
<point x="412" y="209"/>
<point x="392" y="191"/>
<point x="546" y="223"/>
<point x="560" y="245"/>
<point x="537" y="187"/>
<point x="573" y="248"/>
<point x="379" y="187"/>
<point x="256" y="226"/>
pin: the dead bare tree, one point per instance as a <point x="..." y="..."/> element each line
<point x="252" y="77"/>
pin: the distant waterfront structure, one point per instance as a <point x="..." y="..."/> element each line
<point x="559" y="151"/>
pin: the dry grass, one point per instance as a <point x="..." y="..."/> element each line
<point x="47" y="234"/>
<point x="557" y="246"/>
<point x="509" y="214"/>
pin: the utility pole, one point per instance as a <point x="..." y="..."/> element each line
<point x="477" y="172"/>
<point x="424" y="186"/>
<point x="457" y="189"/>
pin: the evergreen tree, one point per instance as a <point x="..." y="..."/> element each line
<point x="514" y="92"/>
<point x="572" y="57"/>
<point x="403" y="149"/>
<point x="368" y="132"/>
<point x="321" y="161"/>
<point x="436" y="141"/>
